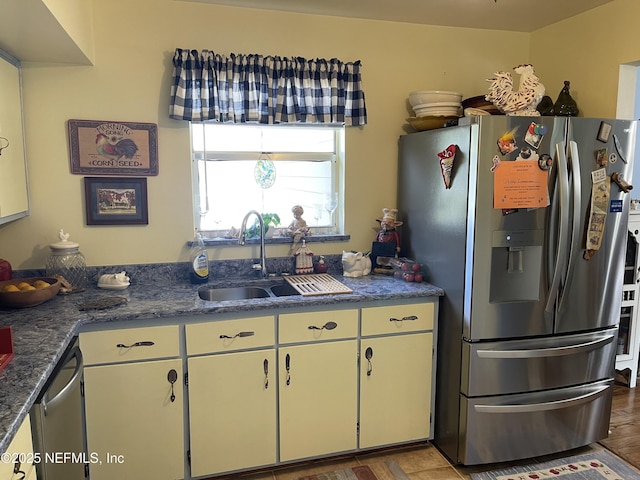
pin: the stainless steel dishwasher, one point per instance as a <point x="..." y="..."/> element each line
<point x="57" y="425"/>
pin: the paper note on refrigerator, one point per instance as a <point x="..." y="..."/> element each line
<point x="520" y="184"/>
<point x="600" y="192"/>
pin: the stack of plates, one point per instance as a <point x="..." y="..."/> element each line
<point x="436" y="103"/>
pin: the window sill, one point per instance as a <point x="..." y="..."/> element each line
<point x="216" y="242"/>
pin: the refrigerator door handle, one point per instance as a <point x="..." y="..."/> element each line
<point x="574" y="159"/>
<point x="548" y="352"/>
<point x="563" y="233"/>
<point x="543" y="406"/>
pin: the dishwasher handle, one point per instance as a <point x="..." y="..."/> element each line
<point x="64" y="391"/>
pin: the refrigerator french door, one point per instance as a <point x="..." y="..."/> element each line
<point x="528" y="324"/>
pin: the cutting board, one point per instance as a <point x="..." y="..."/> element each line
<point x="317" y="284"/>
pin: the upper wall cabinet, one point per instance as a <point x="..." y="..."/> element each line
<point x="14" y="201"/>
<point x="48" y="31"/>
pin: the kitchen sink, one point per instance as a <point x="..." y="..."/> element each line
<point x="283" y="290"/>
<point x="213" y="294"/>
<point x="221" y="294"/>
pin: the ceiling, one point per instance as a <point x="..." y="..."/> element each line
<point x="513" y="15"/>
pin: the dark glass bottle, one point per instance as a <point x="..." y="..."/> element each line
<point x="565" y="105"/>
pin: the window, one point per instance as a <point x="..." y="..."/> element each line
<point x="237" y="168"/>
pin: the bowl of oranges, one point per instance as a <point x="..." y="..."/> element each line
<point x="28" y="292"/>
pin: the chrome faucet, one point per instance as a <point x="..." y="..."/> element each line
<point x="262" y="266"/>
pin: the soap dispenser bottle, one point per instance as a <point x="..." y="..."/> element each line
<point x="199" y="267"/>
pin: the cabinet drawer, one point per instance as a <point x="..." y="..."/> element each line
<point x="397" y="318"/>
<point x="312" y="326"/>
<point x="225" y="335"/>
<point x="131" y="344"/>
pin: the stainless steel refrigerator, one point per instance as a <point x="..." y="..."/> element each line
<point x="528" y="324"/>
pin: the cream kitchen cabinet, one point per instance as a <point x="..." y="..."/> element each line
<point x="134" y="403"/>
<point x="396" y="374"/>
<point x="14" y="201"/>
<point x="317" y="383"/>
<point x="18" y="461"/>
<point x="232" y="394"/>
<point x="263" y="390"/>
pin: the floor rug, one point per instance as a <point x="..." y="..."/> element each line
<point x="600" y="465"/>
<point x="377" y="471"/>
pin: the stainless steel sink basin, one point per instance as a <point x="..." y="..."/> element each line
<point x="221" y="294"/>
<point x="283" y="290"/>
<point x="212" y="294"/>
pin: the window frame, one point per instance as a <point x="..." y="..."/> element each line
<point x="336" y="159"/>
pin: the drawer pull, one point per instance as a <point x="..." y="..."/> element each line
<point x="368" y="354"/>
<point x="410" y="317"/>
<point x="266" y="373"/>
<point x="327" y="326"/>
<point x="137" y="344"/>
<point x="287" y="363"/>
<point x="239" y="334"/>
<point x="172" y="376"/>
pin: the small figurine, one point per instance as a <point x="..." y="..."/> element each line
<point x="388" y="232"/>
<point x="298" y="225"/>
<point x="114" y="281"/>
<point x="355" y="264"/>
<point x="64" y="237"/>
<point x="304" y="259"/>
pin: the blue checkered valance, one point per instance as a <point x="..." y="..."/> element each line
<point x="257" y="89"/>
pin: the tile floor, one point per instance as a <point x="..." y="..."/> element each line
<point x="421" y="462"/>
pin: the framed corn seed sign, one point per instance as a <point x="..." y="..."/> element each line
<point x="113" y="148"/>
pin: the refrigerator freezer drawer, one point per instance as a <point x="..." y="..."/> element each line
<point x="514" y="366"/>
<point x="526" y="425"/>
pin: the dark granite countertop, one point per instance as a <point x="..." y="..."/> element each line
<point x="41" y="334"/>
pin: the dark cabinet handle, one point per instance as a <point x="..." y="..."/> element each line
<point x="410" y="317"/>
<point x="287" y="363"/>
<point x="172" y="376"/>
<point x="16" y="470"/>
<point x="239" y="334"/>
<point x="266" y="373"/>
<point x="326" y="326"/>
<point x="368" y="354"/>
<point x="137" y="344"/>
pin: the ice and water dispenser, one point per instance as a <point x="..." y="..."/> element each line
<point x="516" y="265"/>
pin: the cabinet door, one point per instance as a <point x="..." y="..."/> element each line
<point x="14" y="202"/>
<point x="133" y="426"/>
<point x="19" y="454"/>
<point x="318" y="399"/>
<point x="395" y="389"/>
<point x="232" y="411"/>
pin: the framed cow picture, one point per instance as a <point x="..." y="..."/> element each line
<point x="116" y="201"/>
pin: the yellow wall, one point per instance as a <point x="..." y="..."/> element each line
<point x="588" y="50"/>
<point x="134" y="43"/>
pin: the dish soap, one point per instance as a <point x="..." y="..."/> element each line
<point x="199" y="271"/>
